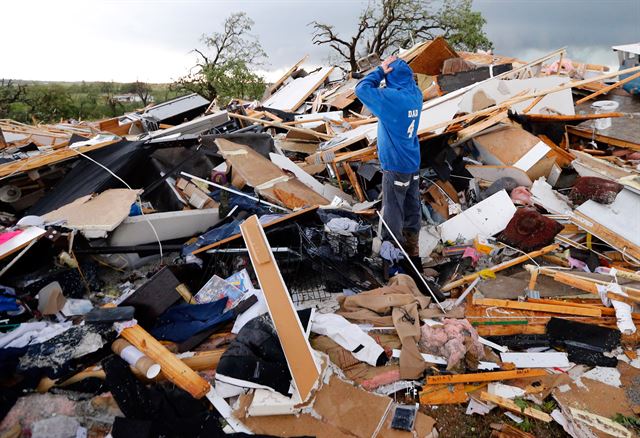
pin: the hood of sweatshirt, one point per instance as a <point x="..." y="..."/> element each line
<point x="401" y="76"/>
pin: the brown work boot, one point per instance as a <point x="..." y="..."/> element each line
<point x="411" y="244"/>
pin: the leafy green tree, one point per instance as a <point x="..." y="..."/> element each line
<point x="50" y="103"/>
<point x="385" y="26"/>
<point x="10" y="93"/>
<point x="224" y="69"/>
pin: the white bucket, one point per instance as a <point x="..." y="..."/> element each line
<point x="604" y="106"/>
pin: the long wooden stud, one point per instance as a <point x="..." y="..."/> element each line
<point x="491" y="376"/>
<point x="173" y="368"/>
<point x="501" y="266"/>
<point x="535" y="307"/>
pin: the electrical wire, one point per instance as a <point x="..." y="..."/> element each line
<point x="138" y="200"/>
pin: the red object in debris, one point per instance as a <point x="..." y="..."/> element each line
<point x="528" y="230"/>
<point x="597" y="189"/>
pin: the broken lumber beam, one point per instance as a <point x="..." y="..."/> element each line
<point x="512" y="406"/>
<point x="608" y="88"/>
<point x="535" y="307"/>
<point x="173" y="368"/>
<point x="570" y="118"/>
<point x="490" y="376"/>
<point x="280" y="125"/>
<point x="501" y="266"/>
<point x="297" y="350"/>
<point x="523" y="98"/>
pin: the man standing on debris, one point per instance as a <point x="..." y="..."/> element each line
<point x="397" y="107"/>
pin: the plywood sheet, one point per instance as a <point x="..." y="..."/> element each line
<point x="300" y="359"/>
<point x="428" y="58"/>
<point x="101" y="213"/>
<point x="291" y="96"/>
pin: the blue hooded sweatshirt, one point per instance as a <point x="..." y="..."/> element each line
<point x="397" y="107"/>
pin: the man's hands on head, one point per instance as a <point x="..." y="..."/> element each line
<point x="386" y="64"/>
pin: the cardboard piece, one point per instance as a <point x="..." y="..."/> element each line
<point x="486" y="218"/>
<point x="512" y="146"/>
<point x="266" y="178"/>
<point x="300" y="358"/>
<point x="95" y="216"/>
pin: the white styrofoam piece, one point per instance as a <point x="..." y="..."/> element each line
<point x="493" y="345"/>
<point x="169" y="225"/>
<point x="513" y="417"/>
<point x="607" y="375"/>
<point x="478" y="407"/>
<point x="266" y="402"/>
<point x="440" y="360"/>
<point x="617" y="215"/>
<point x="486" y="218"/>
<point x="331" y="115"/>
<point x="533" y="155"/>
<point x="286" y="164"/>
<point x="505" y="391"/>
<point x="544" y="195"/>
<point x="537" y="360"/>
<point x="288" y="97"/>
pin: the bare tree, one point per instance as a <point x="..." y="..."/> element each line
<point x="232" y="48"/>
<point x="384" y="26"/>
<point x="143" y="90"/>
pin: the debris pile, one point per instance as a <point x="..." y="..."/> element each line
<point x="191" y="270"/>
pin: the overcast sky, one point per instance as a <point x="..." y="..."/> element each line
<point x="150" y="40"/>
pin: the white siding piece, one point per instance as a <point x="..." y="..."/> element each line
<point x="291" y="96"/>
<point x="533" y="155"/>
<point x="486" y="218"/>
<point x="537" y="360"/>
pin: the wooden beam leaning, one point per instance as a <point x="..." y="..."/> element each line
<point x="296" y="347"/>
<point x="608" y="88"/>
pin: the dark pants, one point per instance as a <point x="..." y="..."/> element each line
<point x="401" y="204"/>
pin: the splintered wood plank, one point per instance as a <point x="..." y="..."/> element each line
<point x="510" y="304"/>
<point x="484" y="377"/>
<point x="297" y="350"/>
<point x="444" y="395"/>
<point x="511" y="406"/>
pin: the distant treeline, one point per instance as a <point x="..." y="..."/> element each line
<point x="48" y="102"/>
